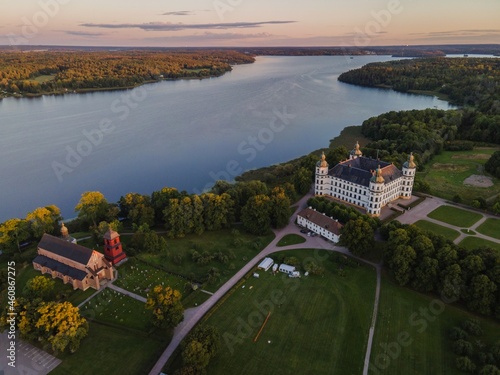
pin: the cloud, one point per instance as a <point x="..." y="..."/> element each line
<point x="161" y="26"/>
<point x="82" y="33"/>
<point x="464" y="32"/>
<point x="208" y="36"/>
<point x="184" y="12"/>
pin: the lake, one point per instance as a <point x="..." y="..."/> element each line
<point x="183" y="134"/>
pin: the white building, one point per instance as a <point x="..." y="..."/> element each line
<point x="365" y="182"/>
<point x="285" y="268"/>
<point x="320" y="224"/>
<point x="266" y="264"/>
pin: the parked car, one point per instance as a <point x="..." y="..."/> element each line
<point x="304" y="231"/>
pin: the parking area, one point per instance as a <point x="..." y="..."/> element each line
<point x="29" y="360"/>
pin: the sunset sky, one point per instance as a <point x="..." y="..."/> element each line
<point x="248" y="22"/>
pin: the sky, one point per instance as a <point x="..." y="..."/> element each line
<point x="195" y="23"/>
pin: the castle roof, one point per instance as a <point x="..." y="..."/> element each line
<point x="77" y="253"/>
<point x="361" y="169"/>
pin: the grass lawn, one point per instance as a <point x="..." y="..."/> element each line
<point x="139" y="278"/>
<point x="115" y="308"/>
<point x="318" y="324"/>
<point x="470" y="243"/>
<point x="238" y="246"/>
<point x="291" y="239"/>
<point x="44" y="78"/>
<point x="448" y="233"/>
<point x="108" y="350"/>
<point x="411" y="342"/>
<point x="455" y="216"/>
<point x="490" y="227"/>
<point x="447" y="172"/>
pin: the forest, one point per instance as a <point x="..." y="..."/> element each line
<point x="48" y="72"/>
<point x="473" y="82"/>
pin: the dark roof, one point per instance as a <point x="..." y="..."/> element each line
<point x="77" y="253"/>
<point x="360" y="170"/>
<point x="60" y="267"/>
<point x="321" y="220"/>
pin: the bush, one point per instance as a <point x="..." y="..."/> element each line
<point x="457" y="333"/>
<point x="465" y="364"/>
<point x="462" y="347"/>
<point x="472" y="326"/>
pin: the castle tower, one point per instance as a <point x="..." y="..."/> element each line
<point x="321" y="174"/>
<point x="113" y="250"/>
<point x="377" y="184"/>
<point x="356" y="152"/>
<point x="409" y="169"/>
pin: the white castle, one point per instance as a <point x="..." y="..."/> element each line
<point x="365" y="182"/>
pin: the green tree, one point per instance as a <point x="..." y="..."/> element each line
<point x="480" y="294"/>
<point x="92" y="207"/>
<point x="402" y="264"/>
<point x="465" y="364"/>
<point x="209" y="337"/>
<point x="196" y="355"/>
<point x="358" y="236"/>
<point x="489" y="370"/>
<point x="166" y="305"/>
<point x="13" y="232"/>
<point x="255" y="215"/>
<point x="280" y="208"/>
<point x="493" y="164"/>
<point x="336" y="155"/>
<point x="426" y="275"/>
<point x="463" y="348"/>
<point x="39" y="286"/>
<point x="302" y="180"/>
<point x="171" y="215"/>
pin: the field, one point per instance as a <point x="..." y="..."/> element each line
<point x="318" y="324"/>
<point x="109" y="350"/>
<point x="447" y="172"/>
<point x="455" y="216"/>
<point x="448" y="233"/>
<point x="291" y="239"/>
<point x="411" y="333"/>
<point x="491" y="228"/>
<point x="470" y="243"/>
<point x="238" y="247"/>
<point x="117" y="309"/>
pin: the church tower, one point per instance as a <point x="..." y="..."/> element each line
<point x="321" y="174"/>
<point x="377" y="184"/>
<point x="113" y="250"/>
<point x="65" y="234"/>
<point x="409" y="169"/>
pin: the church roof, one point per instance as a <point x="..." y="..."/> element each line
<point x="57" y="266"/>
<point x="360" y="170"/>
<point x="77" y="253"/>
<point x="111" y="234"/>
<point x="321" y="220"/>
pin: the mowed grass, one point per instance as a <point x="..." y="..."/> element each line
<point x="447" y="172"/>
<point x="109" y="350"/>
<point x="115" y="308"/>
<point x="318" y="324"/>
<point x="448" y="233"/>
<point x="411" y="334"/>
<point x="291" y="239"/>
<point x="138" y="277"/>
<point x="471" y="243"/>
<point x="455" y="216"/>
<point x="490" y="227"/>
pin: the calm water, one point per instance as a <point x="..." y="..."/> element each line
<point x="184" y="134"/>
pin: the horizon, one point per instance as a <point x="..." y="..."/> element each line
<point x="239" y="23"/>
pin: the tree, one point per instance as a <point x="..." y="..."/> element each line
<point x="92" y="207"/>
<point x="209" y="337"/>
<point x="489" y="370"/>
<point x="195" y="355"/>
<point x="43" y="220"/>
<point x="402" y="264"/>
<point x="463" y="348"/>
<point x="465" y="364"/>
<point x="39" y="286"/>
<point x="358" y="236"/>
<point x="480" y="296"/>
<point x="280" y="208"/>
<point x="426" y="275"/>
<point x="62" y="325"/>
<point x="137" y="208"/>
<point x="217" y="210"/>
<point x="451" y="282"/>
<point x="302" y="180"/>
<point x="255" y="215"/>
<point x="13" y="232"/>
<point x="166" y="305"/>
<point x="493" y="164"/>
<point x="336" y="155"/>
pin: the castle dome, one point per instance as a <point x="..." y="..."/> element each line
<point x="411" y="162"/>
<point x="377" y="176"/>
<point x="323" y="163"/>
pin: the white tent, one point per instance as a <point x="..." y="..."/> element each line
<point x="266" y="264"/>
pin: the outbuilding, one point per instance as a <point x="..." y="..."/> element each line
<point x="266" y="264"/>
<point x="285" y="268"/>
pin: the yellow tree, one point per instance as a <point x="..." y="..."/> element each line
<point x="62" y="325"/>
<point x="13" y="232"/>
<point x="39" y="286"/>
<point x="166" y="305"/>
<point x="92" y="206"/>
<point x="43" y="220"/>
